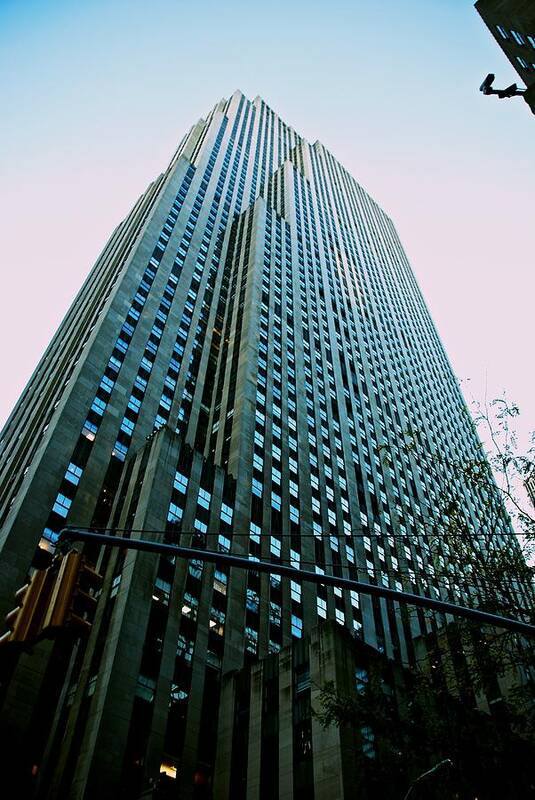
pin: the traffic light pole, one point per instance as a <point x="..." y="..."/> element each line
<point x="444" y="607"/>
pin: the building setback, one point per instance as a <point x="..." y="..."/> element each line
<point x="391" y="725"/>
<point x="241" y="370"/>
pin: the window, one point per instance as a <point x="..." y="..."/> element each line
<point x="145" y="688"/>
<point x="189" y="608"/>
<point x="220" y="582"/>
<point x="106" y="384"/>
<point x="73" y="473"/>
<point x="200" y="526"/>
<point x="120" y="450"/>
<point x="89" y="430"/>
<point x="302" y="679"/>
<point x="226" y="513"/>
<point x="62" y="505"/>
<point x="98" y="406"/>
<point x="217" y="621"/>
<point x="297" y="627"/>
<point x="204" y="498"/>
<point x="134" y="404"/>
<point x="368" y="740"/>
<point x="127" y="425"/>
<point x="251" y="639"/>
<point x="322" y="607"/>
<point x="180" y="483"/>
<point x="175" y="513"/>
<point x="275" y="546"/>
<point x="275" y="613"/>
<point x="361" y="679"/>
<point x="161" y="591"/>
<point x="252" y="601"/>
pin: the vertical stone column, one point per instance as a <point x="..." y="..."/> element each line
<point x="285" y="725"/>
<point x="255" y="733"/>
<point x="328" y="783"/>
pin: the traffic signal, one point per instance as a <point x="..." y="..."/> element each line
<point x="54" y="599"/>
<point x="72" y="603"/>
<point x="24" y="621"/>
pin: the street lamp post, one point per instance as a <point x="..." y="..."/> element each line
<point x="447" y="762"/>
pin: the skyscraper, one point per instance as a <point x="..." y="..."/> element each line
<point x="240" y="371"/>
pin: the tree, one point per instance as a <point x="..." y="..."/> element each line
<point x="414" y="726"/>
<point x="479" y="537"/>
<point x="496" y="557"/>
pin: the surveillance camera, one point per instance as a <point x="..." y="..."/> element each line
<point x="487" y="84"/>
<point x="511" y="91"/>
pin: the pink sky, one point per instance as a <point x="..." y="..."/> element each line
<point x="94" y="106"/>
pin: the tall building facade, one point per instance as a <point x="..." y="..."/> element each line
<point x="395" y="727"/>
<point x="241" y="371"/>
<point x="512" y="23"/>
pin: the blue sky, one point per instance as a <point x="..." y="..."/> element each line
<point x="96" y="95"/>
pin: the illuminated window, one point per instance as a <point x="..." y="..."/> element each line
<point x="168" y="769"/>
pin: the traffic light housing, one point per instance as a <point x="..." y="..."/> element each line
<point x="24" y="621"/>
<point x="72" y="604"/>
<point x="54" y="599"/>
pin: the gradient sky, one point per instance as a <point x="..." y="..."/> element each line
<point x="96" y="95"/>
